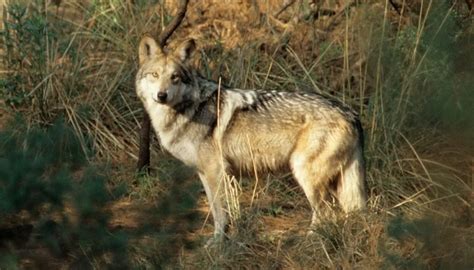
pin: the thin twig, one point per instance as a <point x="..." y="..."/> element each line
<point x="395" y="6"/>
<point x="286" y="5"/>
<point x="171" y="27"/>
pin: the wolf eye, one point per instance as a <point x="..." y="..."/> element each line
<point x="175" y="78"/>
<point x="155" y="74"/>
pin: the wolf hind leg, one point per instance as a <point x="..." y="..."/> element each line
<point x="313" y="184"/>
<point x="315" y="161"/>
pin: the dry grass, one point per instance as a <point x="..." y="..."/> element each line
<point x="387" y="66"/>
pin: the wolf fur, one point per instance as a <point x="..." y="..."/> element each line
<point x="220" y="130"/>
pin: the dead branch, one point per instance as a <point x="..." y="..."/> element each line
<point x="171" y="27"/>
<point x="286" y="5"/>
<point x="143" y="162"/>
<point x="395" y="6"/>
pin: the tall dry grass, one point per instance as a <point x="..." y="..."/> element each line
<point x="407" y="74"/>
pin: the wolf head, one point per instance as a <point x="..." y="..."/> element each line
<point x="164" y="77"/>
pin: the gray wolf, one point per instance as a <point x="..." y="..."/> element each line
<point x="220" y="130"/>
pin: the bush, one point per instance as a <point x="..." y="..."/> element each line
<point x="45" y="176"/>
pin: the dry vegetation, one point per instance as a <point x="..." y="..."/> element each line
<point x="405" y="65"/>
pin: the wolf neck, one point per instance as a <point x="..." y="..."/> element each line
<point x="206" y="87"/>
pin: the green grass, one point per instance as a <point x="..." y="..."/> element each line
<point x="408" y="76"/>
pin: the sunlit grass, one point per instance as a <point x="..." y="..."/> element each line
<point x="401" y="73"/>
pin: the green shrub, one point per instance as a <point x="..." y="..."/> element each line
<point x="45" y="174"/>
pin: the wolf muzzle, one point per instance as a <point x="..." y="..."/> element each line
<point x="162" y="97"/>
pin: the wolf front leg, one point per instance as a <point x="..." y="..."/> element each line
<point x="212" y="177"/>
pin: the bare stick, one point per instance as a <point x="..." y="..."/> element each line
<point x="286" y="5"/>
<point x="144" y="151"/>
<point x="171" y="27"/>
<point x="395" y="6"/>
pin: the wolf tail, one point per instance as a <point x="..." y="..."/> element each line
<point x="352" y="190"/>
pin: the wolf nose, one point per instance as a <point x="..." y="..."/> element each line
<point x="162" y="97"/>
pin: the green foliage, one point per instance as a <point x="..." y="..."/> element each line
<point x="421" y="87"/>
<point x="450" y="99"/>
<point x="26" y="37"/>
<point x="427" y="243"/>
<point x="418" y="91"/>
<point x="44" y="173"/>
<point x="46" y="157"/>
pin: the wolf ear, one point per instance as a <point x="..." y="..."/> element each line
<point x="186" y="49"/>
<point x="147" y="49"/>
